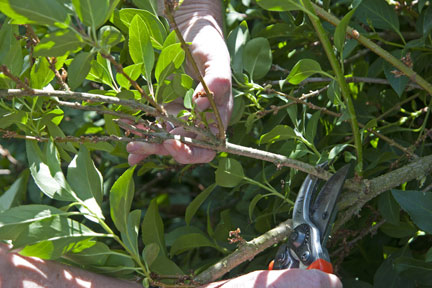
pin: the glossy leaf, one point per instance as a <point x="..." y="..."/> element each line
<point x="257" y="57"/>
<point x="303" y="69"/>
<point x="190" y="241"/>
<point x="58" y="43"/>
<point x="236" y="42"/>
<point x="45" y="12"/>
<point x="121" y="196"/>
<point x="78" y="69"/>
<point x="149" y="5"/>
<point x="229" y="172"/>
<point x="340" y="32"/>
<point x="152" y="228"/>
<point x="46" y="171"/>
<point x="92" y="13"/>
<point x="41" y="74"/>
<point x="279" y="6"/>
<point x="140" y="47"/>
<point x="133" y="71"/>
<point x="418" y="205"/>
<point x="197" y="202"/>
<point x="312" y="125"/>
<point x="171" y="57"/>
<point x="16" y="192"/>
<point x="86" y="181"/>
<point x="100" y="71"/>
<point x="278" y="133"/>
<point x="110" y="36"/>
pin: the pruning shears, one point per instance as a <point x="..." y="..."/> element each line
<point x="312" y="221"/>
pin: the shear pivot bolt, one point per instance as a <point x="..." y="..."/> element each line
<point x="305" y="256"/>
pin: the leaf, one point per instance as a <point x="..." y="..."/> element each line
<point x="340" y="32"/>
<point x="42" y="12"/>
<point x="229" y="173"/>
<point x="92" y="13"/>
<point x="389" y="208"/>
<point x="427" y="21"/>
<point x="401" y="230"/>
<point x="171" y="57"/>
<point x="190" y="241"/>
<point x="78" y="69"/>
<point x="236" y="42"/>
<point x="133" y="71"/>
<point x="287" y="5"/>
<point x="152" y="228"/>
<point x="397" y="81"/>
<point x="415" y="269"/>
<point x="278" y="133"/>
<point x="58" y="43"/>
<point x="379" y="14"/>
<point x="140" y="47"/>
<point x="154" y="25"/>
<point x="302" y="70"/>
<point x="16" y="192"/>
<point x="87" y="182"/>
<point x="100" y="71"/>
<point x="253" y="203"/>
<point x="46" y="171"/>
<point x="193" y="207"/>
<point x="130" y="235"/>
<point x="41" y="74"/>
<point x="418" y="205"/>
<point x="336" y="150"/>
<point x="109" y="36"/>
<point x="10" y="48"/>
<point x="312" y="125"/>
<point x="150" y="253"/>
<point x="257" y="57"/>
<point x="121" y="196"/>
<point x="149" y="5"/>
<point x="13" y="117"/>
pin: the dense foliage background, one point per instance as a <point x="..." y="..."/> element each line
<point x="67" y="190"/>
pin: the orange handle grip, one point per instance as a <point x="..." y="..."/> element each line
<point x="322" y="265"/>
<point x="270" y="267"/>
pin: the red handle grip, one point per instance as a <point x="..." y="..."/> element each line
<point x="322" y="265"/>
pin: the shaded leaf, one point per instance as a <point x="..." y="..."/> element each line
<point x="288" y="5"/>
<point x="340" y="32"/>
<point x="78" y="69"/>
<point x="229" y="173"/>
<point x="236" y="41"/>
<point x="253" y="203"/>
<point x="10" y="48"/>
<point x="58" y="43"/>
<point x="171" y="57"/>
<point x="302" y="70"/>
<point x="152" y="228"/>
<point x="130" y="235"/>
<point x="278" y="133"/>
<point x="92" y="13"/>
<point x="197" y="202"/>
<point x="110" y="36"/>
<point x="257" y="57"/>
<point x="379" y="14"/>
<point x="389" y="208"/>
<point x="150" y="253"/>
<point x="190" y="241"/>
<point x="15" y="193"/>
<point x="140" y="47"/>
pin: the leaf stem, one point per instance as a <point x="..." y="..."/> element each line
<point x="321" y="33"/>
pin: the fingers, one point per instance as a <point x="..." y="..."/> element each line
<point x="186" y="154"/>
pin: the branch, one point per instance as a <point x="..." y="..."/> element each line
<point x="169" y="13"/>
<point x="246" y="252"/>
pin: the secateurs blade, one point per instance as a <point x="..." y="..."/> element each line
<point x="312" y="219"/>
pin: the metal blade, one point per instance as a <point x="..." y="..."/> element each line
<point x="325" y="202"/>
<point x="303" y="200"/>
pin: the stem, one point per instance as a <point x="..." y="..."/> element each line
<point x="272" y="191"/>
<point x="321" y="33"/>
<point x="377" y="50"/>
<point x="209" y="94"/>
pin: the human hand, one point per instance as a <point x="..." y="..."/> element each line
<point x="200" y="23"/>
<point x="292" y="278"/>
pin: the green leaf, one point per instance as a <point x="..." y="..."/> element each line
<point x="340" y="32"/>
<point x="418" y="205"/>
<point x="414" y="269"/>
<point x="229" y="173"/>
<point x="92" y="13"/>
<point x="154" y="25"/>
<point x="236" y="42"/>
<point x="190" y="241"/>
<point x="100" y="71"/>
<point x="171" y="57"/>
<point x="150" y="253"/>
<point x="149" y="5"/>
<point x="130" y="235"/>
<point x="121" y="196"/>
<point x="42" y="12"/>
<point x="286" y="5"/>
<point x="379" y="14"/>
<point x="16" y="192"/>
<point x="109" y="36"/>
<point x="78" y="69"/>
<point x="302" y="70"/>
<point x="140" y="47"/>
<point x="197" y="202"/>
<point x="336" y="150"/>
<point x="133" y="71"/>
<point x="427" y="21"/>
<point x="401" y="230"/>
<point x="10" y="48"/>
<point x="311" y="126"/>
<point x="152" y="228"/>
<point x="397" y="81"/>
<point x="46" y="171"/>
<point x="421" y="4"/>
<point x="87" y="182"/>
<point x="389" y="208"/>
<point x="278" y="133"/>
<point x="41" y="74"/>
<point x="257" y="57"/>
<point x="253" y="203"/>
<point x="58" y="43"/>
<point x="13" y="117"/>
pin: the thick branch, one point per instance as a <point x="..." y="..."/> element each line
<point x="246" y="252"/>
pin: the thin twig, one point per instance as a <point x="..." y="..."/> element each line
<point x="19" y="83"/>
<point x="52" y="61"/>
<point x="209" y="94"/>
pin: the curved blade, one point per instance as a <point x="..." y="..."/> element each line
<point x="325" y="202"/>
<point x="303" y="201"/>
